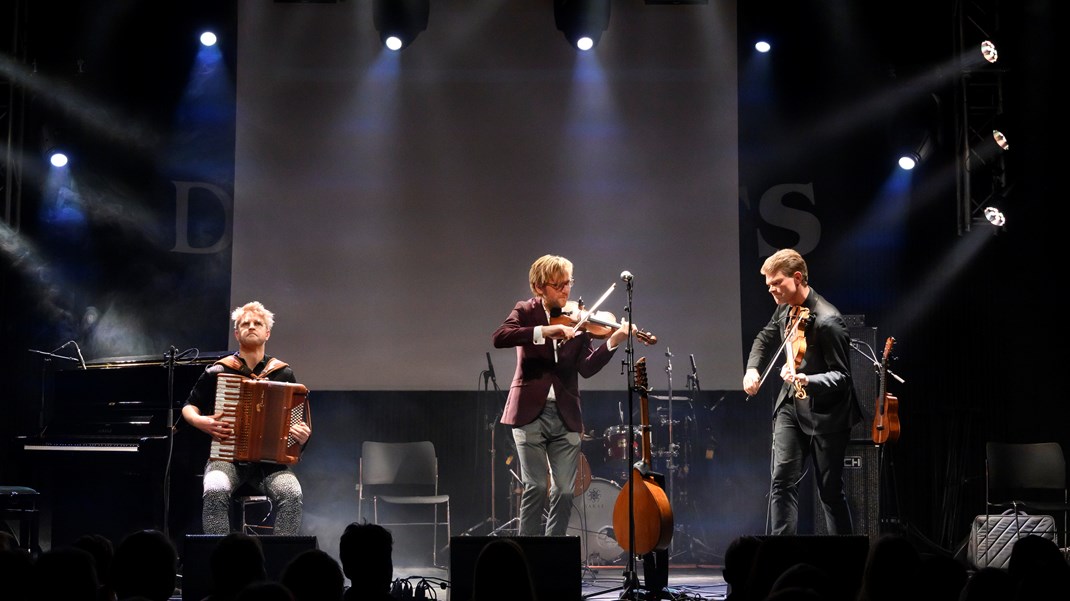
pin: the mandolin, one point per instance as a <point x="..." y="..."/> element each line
<point x="886" y="415"/>
<point x="650" y="505"/>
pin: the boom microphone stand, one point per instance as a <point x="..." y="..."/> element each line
<point x="631" y="578"/>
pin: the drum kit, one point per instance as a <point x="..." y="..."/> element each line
<point x="594" y="496"/>
<point x="597" y="487"/>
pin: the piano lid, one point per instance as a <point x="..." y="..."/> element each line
<point x="120" y="396"/>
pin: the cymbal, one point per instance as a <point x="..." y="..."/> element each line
<point x="668" y="398"/>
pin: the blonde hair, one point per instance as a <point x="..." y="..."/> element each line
<point x="253" y="307"/>
<point x="547" y="268"/>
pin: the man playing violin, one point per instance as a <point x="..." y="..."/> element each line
<point x="816" y="405"/>
<point x="543" y="406"/>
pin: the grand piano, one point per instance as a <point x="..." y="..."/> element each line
<point x="112" y="453"/>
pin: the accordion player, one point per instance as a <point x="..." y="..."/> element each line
<point x="261" y="413"/>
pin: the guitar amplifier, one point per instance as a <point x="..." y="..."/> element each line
<point x="864" y="374"/>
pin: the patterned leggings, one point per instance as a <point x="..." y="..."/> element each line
<point x="222" y="478"/>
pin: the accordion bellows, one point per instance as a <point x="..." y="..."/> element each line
<point x="261" y="412"/>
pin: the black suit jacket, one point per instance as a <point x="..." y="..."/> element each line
<point x="831" y="404"/>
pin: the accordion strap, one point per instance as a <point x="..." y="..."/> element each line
<point x="233" y="362"/>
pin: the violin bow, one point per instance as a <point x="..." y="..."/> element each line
<point x="594" y="308"/>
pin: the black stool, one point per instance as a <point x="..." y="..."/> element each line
<point x="20" y="503"/>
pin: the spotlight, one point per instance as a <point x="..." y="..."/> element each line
<point x="582" y="21"/>
<point x="400" y="21"/>
<point x="988" y="144"/>
<point x="58" y="158"/>
<point x="54" y="148"/>
<point x="989" y="52"/>
<point x="995" y="216"/>
<point x="763" y="46"/>
<point x="208" y="39"/>
<point x="916" y="131"/>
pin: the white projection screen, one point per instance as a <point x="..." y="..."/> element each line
<point x="388" y="206"/>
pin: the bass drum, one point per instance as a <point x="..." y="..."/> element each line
<point x="592" y="521"/>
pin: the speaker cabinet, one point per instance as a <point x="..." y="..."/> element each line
<point x="842" y="558"/>
<point x="197" y="553"/>
<point x="861" y="482"/>
<point x="864" y="375"/>
<point x="555" y="565"/>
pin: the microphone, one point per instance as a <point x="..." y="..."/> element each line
<point x="79" y="353"/>
<point x="626" y="275"/>
<point x="694" y="373"/>
<point x="490" y="371"/>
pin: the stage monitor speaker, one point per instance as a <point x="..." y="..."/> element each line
<point x="864" y="374"/>
<point x="861" y="482"/>
<point x="842" y="558"/>
<point x="555" y="565"/>
<point x="197" y="553"/>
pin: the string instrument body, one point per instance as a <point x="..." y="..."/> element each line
<point x="651" y="508"/>
<point x="886" y="413"/>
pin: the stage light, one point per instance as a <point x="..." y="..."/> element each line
<point x="989" y="52"/>
<point x="763" y="46"/>
<point x="58" y="158"/>
<point x="582" y="21"/>
<point x="208" y="39"/>
<point x="918" y="153"/>
<point x="400" y="21"/>
<point x="995" y="216"/>
<point x="916" y="131"/>
<point x="53" y="147"/>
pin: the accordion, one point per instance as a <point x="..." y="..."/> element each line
<point x="261" y="413"/>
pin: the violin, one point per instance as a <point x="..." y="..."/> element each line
<point x="795" y="339"/>
<point x="599" y="324"/>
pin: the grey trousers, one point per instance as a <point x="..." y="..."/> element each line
<point x="222" y="478"/>
<point x="546" y="444"/>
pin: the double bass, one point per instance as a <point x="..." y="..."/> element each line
<point x="886" y="414"/>
<point x="650" y="504"/>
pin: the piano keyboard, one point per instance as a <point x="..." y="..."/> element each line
<point x="91" y="448"/>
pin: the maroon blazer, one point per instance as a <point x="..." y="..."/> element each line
<point x="536" y="370"/>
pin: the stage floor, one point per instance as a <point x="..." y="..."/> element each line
<point x="600" y="583"/>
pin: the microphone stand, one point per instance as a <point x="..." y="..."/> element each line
<point x="170" y="357"/>
<point x="669" y="463"/>
<point x="631" y="578"/>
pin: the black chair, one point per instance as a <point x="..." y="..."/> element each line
<point x="1029" y="478"/>
<point x="403" y="473"/>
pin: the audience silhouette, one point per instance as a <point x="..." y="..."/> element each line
<point x="891" y="571"/>
<point x="102" y="550"/>
<point x="145" y="565"/>
<point x="236" y="562"/>
<point x="64" y="574"/>
<point x="988" y="584"/>
<point x="366" y="551"/>
<point x="800" y="578"/>
<point x="502" y="572"/>
<point x="1039" y="569"/>
<point x="738" y="560"/>
<point x="314" y="576"/>
<point x="15" y="566"/>
<point x="265" y="591"/>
